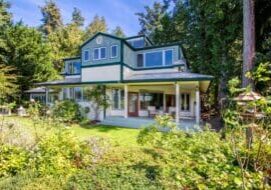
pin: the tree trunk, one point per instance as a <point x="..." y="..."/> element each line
<point x="249" y="41"/>
<point x="248" y="52"/>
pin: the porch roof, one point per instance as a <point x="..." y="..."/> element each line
<point x="136" y="78"/>
<point x="66" y="81"/>
<point x="37" y="90"/>
<point x="168" y="76"/>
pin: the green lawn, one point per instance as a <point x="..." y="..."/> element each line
<point x="119" y="136"/>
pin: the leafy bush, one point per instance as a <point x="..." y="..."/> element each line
<point x="67" y="111"/>
<point x="111" y="177"/>
<point x="196" y="160"/>
<point x="61" y="153"/>
<point x="12" y="160"/>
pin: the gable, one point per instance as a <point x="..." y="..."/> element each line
<point x="101" y="40"/>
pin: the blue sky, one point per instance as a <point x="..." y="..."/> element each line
<point x="116" y="12"/>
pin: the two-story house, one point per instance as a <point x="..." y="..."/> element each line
<point x="140" y="78"/>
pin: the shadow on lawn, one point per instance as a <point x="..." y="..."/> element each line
<point x="100" y="128"/>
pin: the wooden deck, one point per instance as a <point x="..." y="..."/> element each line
<point x="139" y="122"/>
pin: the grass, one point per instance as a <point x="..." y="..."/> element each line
<point x="118" y="136"/>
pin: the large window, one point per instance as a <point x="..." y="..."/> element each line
<point x="73" y="68"/>
<point x="151" y="99"/>
<point x="185" y="102"/>
<point x="99" y="53"/>
<point x="154" y="59"/>
<point x="117" y="99"/>
<point x="114" y="50"/>
<point x="74" y="93"/>
<point x="78" y="94"/>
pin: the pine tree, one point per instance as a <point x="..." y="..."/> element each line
<point x="151" y="19"/>
<point x="118" y="32"/>
<point x="29" y="54"/>
<point x="5" y="21"/>
<point x="77" y="17"/>
<point x="98" y="24"/>
<point x="51" y="17"/>
<point x="65" y="43"/>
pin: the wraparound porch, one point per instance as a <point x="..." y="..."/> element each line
<point x="179" y="99"/>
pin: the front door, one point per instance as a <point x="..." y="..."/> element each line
<point x="133" y="104"/>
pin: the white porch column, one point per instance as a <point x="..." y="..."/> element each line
<point x="197" y="109"/>
<point x="46" y="96"/>
<point x="125" y="101"/>
<point x="177" y="95"/>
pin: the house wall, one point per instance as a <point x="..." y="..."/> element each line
<point x="99" y="74"/>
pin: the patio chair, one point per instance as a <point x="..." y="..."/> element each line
<point x="152" y="111"/>
<point x="172" y="111"/>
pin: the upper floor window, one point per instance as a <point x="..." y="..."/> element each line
<point x="114" y="50"/>
<point x="137" y="43"/>
<point x="73" y="68"/>
<point x="99" y="53"/>
<point x="155" y="59"/>
<point x="86" y="55"/>
<point x="168" y="57"/>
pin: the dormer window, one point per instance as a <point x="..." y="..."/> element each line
<point x="73" y="68"/>
<point x="99" y="53"/>
<point x="155" y="58"/>
<point x="114" y="50"/>
<point x="168" y="57"/>
<point x="86" y="55"/>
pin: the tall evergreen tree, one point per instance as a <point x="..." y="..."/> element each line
<point x="51" y="17"/>
<point x="77" y="17"/>
<point x="151" y="20"/>
<point x="29" y="54"/>
<point x="65" y="43"/>
<point x="98" y="24"/>
<point x="5" y="21"/>
<point x="210" y="37"/>
<point x="118" y="32"/>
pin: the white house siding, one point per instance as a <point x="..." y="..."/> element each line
<point x="91" y="114"/>
<point x="99" y="74"/>
<point x="128" y="72"/>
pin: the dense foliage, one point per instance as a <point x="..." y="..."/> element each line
<point x="67" y="111"/>
<point x="56" y="159"/>
<point x="211" y="34"/>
